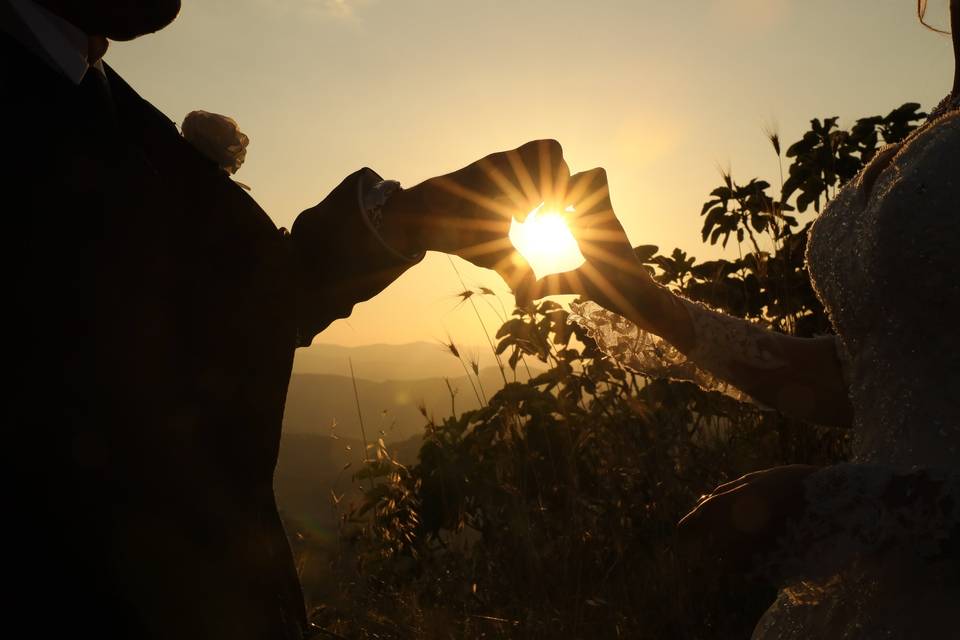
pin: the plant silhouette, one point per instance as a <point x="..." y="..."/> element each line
<point x="551" y="510"/>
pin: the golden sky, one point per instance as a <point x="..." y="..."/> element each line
<point x="660" y="93"/>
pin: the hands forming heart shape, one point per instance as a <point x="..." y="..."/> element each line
<point x="469" y="213"/>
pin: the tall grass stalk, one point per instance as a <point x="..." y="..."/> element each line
<point x="455" y="352"/>
<point x="363" y="431"/>
<point x="453" y="398"/>
<point x="475" y="367"/>
<point x="486" y="291"/>
<point x="482" y="324"/>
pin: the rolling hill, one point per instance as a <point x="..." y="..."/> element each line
<point x="381" y="362"/>
<point x="325" y="404"/>
<point x="393" y="382"/>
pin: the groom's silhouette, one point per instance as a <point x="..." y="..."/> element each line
<point x="155" y="310"/>
<point x="152" y="314"/>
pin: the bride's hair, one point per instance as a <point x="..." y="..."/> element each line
<point x="921" y="13"/>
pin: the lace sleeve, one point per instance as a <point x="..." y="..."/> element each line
<point x="858" y="511"/>
<point x="721" y="340"/>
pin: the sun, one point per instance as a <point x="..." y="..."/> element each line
<point x="545" y="241"/>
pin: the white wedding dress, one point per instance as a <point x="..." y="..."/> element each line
<point x="886" y="267"/>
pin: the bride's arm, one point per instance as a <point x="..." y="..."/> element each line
<point x="801" y="377"/>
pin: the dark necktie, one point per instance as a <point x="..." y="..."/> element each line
<point x="96" y="101"/>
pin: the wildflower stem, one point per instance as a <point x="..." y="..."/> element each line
<point x="363" y="432"/>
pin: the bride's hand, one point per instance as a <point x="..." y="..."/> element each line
<point x="745" y="518"/>
<point x="612" y="275"/>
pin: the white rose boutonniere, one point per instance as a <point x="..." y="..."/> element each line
<point x="217" y="137"/>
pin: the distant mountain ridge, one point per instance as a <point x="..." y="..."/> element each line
<point x="392" y="382"/>
<point x="316" y="402"/>
<point x="381" y="362"/>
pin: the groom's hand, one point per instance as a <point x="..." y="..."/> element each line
<point x="468" y="212"/>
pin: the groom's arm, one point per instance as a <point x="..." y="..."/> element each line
<point x="341" y="259"/>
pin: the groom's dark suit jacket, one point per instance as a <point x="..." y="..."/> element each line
<point x="152" y="311"/>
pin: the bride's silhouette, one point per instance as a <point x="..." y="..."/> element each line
<point x="861" y="550"/>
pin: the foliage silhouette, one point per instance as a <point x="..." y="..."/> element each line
<point x="551" y="510"/>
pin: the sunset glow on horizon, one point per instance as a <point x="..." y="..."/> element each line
<point x="658" y="94"/>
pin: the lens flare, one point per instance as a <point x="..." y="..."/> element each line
<point x="545" y="241"/>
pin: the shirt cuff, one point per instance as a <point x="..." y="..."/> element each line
<point x="372" y="193"/>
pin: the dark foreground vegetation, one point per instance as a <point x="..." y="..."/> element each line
<point x="551" y="511"/>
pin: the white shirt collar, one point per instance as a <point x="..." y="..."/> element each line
<point x="63" y="42"/>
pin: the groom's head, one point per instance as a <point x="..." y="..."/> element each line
<point x="116" y="19"/>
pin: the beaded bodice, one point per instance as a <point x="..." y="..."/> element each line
<point x="886" y="266"/>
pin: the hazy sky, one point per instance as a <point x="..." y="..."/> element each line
<point x="659" y="93"/>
